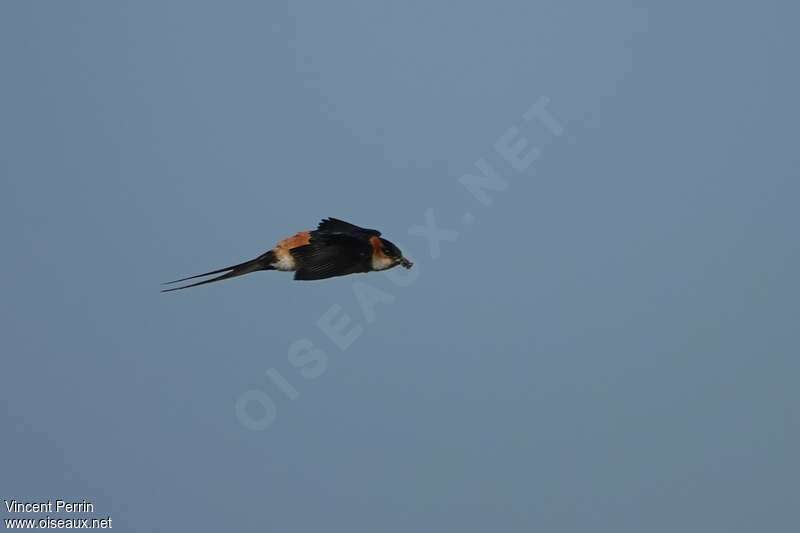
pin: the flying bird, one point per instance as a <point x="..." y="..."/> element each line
<point x="335" y="248"/>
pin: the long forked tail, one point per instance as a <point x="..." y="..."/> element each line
<point x="262" y="262"/>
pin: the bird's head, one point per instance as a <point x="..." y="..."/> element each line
<point x="387" y="255"/>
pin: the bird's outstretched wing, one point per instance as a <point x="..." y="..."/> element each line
<point x="329" y="255"/>
<point x="334" y="226"/>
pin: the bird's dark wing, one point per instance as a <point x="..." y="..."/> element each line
<point x="330" y="255"/>
<point x="334" y="226"/>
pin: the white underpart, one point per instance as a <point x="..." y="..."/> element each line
<point x="285" y="262"/>
<point x="382" y="263"/>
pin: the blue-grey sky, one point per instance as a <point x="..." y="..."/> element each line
<point x="611" y="345"/>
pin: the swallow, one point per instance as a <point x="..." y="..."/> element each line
<point x="335" y="248"/>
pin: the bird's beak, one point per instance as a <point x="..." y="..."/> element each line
<point x="405" y="263"/>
